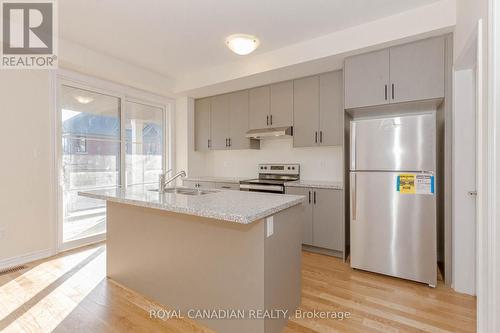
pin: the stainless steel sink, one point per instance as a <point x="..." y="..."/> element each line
<point x="185" y="191"/>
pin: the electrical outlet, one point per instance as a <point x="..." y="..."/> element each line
<point x="269" y="226"/>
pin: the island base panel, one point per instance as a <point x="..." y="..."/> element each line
<point x="188" y="262"/>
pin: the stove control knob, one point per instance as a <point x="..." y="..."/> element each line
<point x="288" y="168"/>
<point x="293" y="168"/>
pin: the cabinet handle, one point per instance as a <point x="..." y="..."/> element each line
<point x="309" y="197"/>
<point x="229" y="142"/>
<point x="271" y="119"/>
<point x="321" y="136"/>
<point x="316" y="137"/>
<point x="267" y="120"/>
<point x="385" y="92"/>
<point x="208" y="143"/>
<point x="393" y="91"/>
<point x="314" y="197"/>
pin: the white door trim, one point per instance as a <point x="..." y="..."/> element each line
<point x="492" y="231"/>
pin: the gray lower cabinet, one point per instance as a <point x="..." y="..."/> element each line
<point x="306" y="213"/>
<point x="228" y="186"/>
<point x="198" y="184"/>
<point x="322" y="216"/>
<point x="328" y="222"/>
<point x="202" y="124"/>
<point x="219" y="123"/>
<point x="211" y="185"/>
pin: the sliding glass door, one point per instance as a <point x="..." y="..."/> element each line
<point x="106" y="141"/>
<point x="143" y="143"/>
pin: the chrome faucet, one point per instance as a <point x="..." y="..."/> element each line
<point x="163" y="182"/>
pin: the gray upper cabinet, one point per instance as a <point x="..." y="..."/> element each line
<point x="318" y="110"/>
<point x="328" y="222"/>
<point x="306" y="112"/>
<point x="259" y="107"/>
<point x="331" y="110"/>
<point x="366" y="79"/>
<point x="202" y="124"/>
<point x="238" y="121"/>
<point x="219" y="123"/>
<point x="281" y="104"/>
<point x="405" y="73"/>
<point x="417" y="71"/>
<point x="305" y="214"/>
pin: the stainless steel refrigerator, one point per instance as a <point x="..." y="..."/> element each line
<point x="393" y="196"/>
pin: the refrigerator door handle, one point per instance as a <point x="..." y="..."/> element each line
<point x="353" y="196"/>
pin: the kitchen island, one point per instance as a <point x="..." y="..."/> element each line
<point x="208" y="254"/>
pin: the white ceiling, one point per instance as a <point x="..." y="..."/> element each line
<point x="177" y="38"/>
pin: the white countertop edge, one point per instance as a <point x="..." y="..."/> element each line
<point x="207" y="214"/>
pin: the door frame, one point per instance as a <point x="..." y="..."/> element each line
<point x="125" y="94"/>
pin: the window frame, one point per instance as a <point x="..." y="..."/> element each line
<point x="125" y="94"/>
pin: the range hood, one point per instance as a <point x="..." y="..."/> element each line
<point x="269" y="133"/>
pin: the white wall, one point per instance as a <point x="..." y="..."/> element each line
<point x="318" y="163"/>
<point x="26" y="205"/>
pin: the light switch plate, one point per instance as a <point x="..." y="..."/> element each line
<point x="269" y="226"/>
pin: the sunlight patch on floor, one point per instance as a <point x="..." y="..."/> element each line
<point x="19" y="291"/>
<point x="52" y="309"/>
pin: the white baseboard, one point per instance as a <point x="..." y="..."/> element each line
<point x="26" y="258"/>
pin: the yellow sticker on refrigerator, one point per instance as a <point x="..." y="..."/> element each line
<point x="415" y="184"/>
<point x="406" y="183"/>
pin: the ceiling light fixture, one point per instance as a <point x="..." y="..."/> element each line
<point x="84" y="99"/>
<point x="242" y="44"/>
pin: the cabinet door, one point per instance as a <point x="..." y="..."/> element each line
<point x="219" y="122"/>
<point x="202" y="124"/>
<point x="228" y="186"/>
<point x="328" y="220"/>
<point x="306" y="111"/>
<point x="259" y="107"/>
<point x="189" y="183"/>
<point x="331" y="110"/>
<point x="206" y="185"/>
<point x="366" y="79"/>
<point x="306" y="213"/>
<point x="417" y="71"/>
<point x="238" y="120"/>
<point x="281" y="104"/>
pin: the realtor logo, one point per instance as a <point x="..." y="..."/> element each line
<point x="28" y="35"/>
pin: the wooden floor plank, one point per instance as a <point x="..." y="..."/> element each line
<point x="70" y="293"/>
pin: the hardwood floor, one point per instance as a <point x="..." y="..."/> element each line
<point x="69" y="293"/>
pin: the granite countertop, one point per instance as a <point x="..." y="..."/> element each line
<point x="316" y="184"/>
<point x="231" y="180"/>
<point x="231" y="206"/>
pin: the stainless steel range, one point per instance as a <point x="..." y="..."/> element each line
<point x="272" y="178"/>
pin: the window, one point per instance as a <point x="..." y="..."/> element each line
<point x="106" y="141"/>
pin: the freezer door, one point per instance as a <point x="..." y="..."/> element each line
<point x="395" y="143"/>
<point x="392" y="233"/>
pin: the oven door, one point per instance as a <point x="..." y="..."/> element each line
<point x="280" y="189"/>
